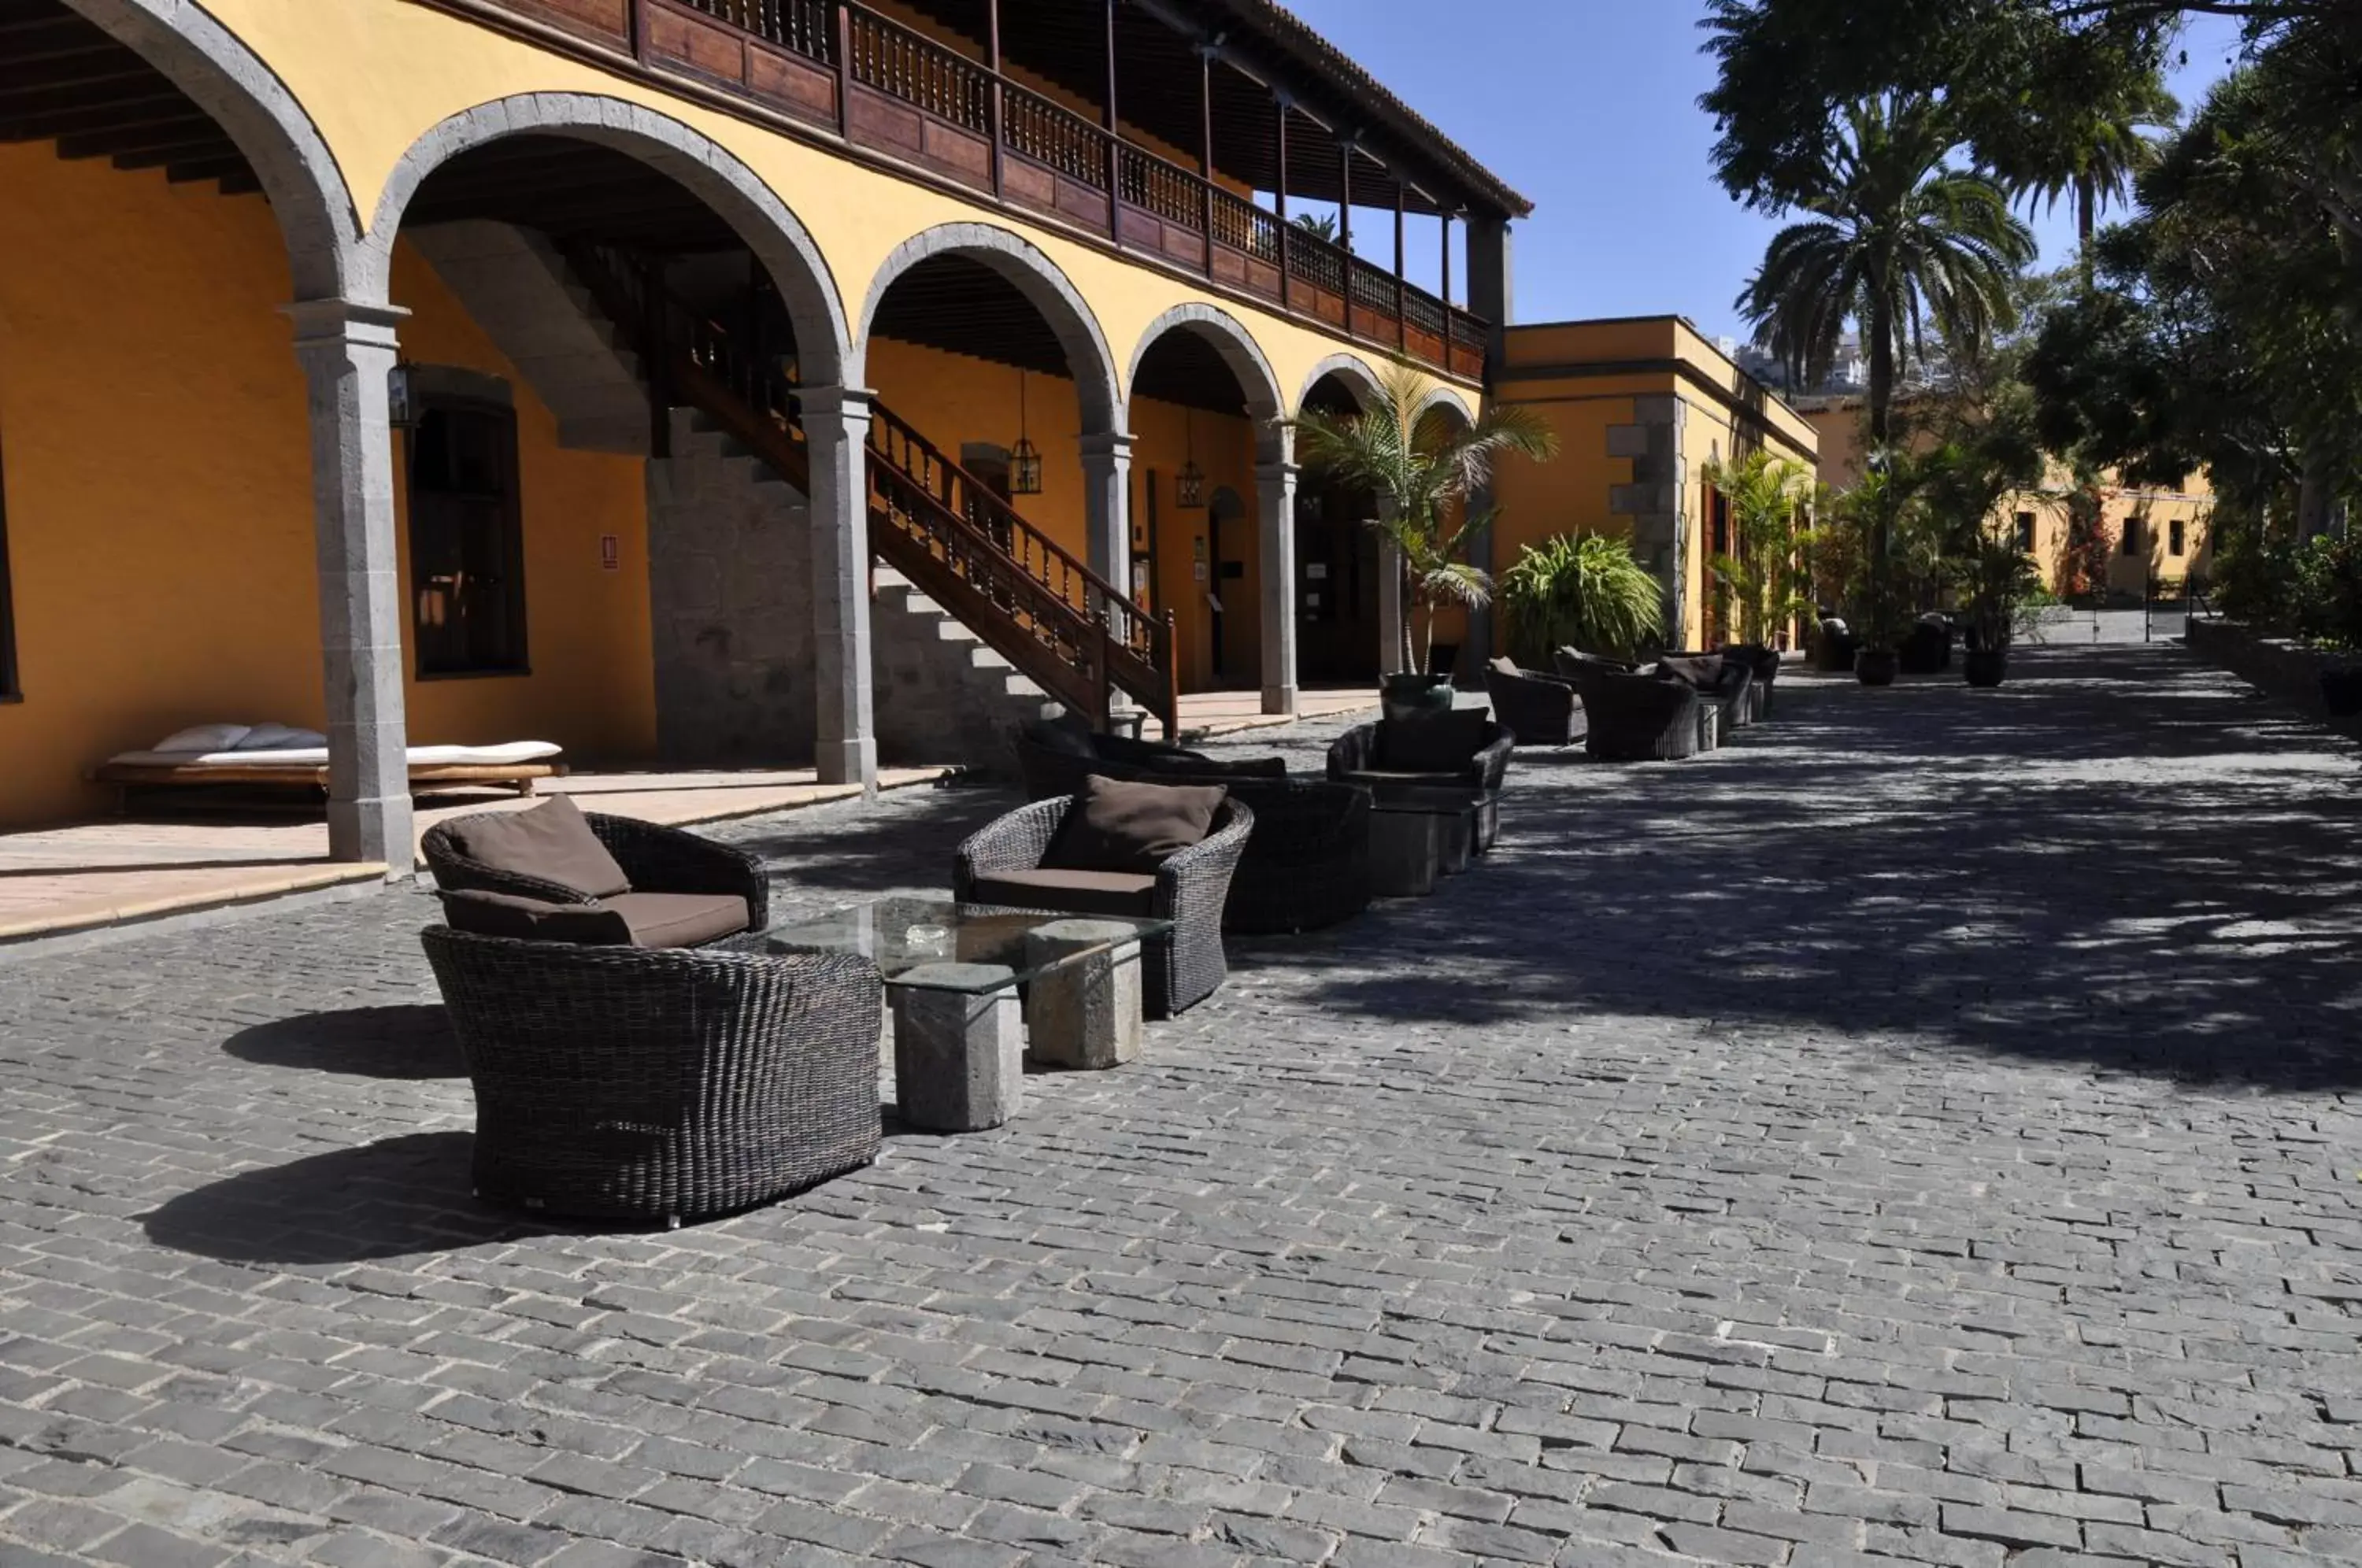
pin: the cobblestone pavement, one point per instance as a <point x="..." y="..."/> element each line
<point x="1921" y="1132"/>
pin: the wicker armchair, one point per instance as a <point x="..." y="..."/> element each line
<point x="1763" y="663"/>
<point x="657" y="859"/>
<point x="664" y="1084"/>
<point x="1358" y="757"/>
<point x="1928" y="650"/>
<point x="1717" y="677"/>
<point x="1178" y="970"/>
<point x="1306" y="865"/>
<point x="1053" y="761"/>
<point x="1539" y="710"/>
<point x="1638" y="718"/>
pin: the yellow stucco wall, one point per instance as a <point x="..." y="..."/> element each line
<point x="157" y="464"/>
<point x="1585" y="377"/>
<point x="1841" y="425"/>
<point x="423" y="66"/>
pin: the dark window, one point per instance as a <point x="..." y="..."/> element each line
<point x="1720" y="504"/>
<point x="9" y="691"/>
<point x="2132" y="535"/>
<point x="2025" y="532"/>
<point x="467" y="546"/>
<point x="2177" y="536"/>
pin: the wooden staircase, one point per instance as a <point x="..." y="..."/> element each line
<point x="1076" y="635"/>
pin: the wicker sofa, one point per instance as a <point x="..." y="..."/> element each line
<point x="1539" y="710"/>
<point x="1001" y="864"/>
<point x="685" y="890"/>
<point x="667" y="1084"/>
<point x="1360" y="756"/>
<point x="1718" y="677"/>
<point x="1634" y="717"/>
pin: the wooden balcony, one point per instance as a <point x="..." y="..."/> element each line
<point x="838" y="66"/>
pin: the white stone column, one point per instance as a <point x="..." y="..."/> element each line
<point x="1107" y="506"/>
<point x="347" y="350"/>
<point x="1275" y="504"/>
<point x="836" y="431"/>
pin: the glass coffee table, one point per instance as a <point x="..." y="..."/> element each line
<point x="956" y="975"/>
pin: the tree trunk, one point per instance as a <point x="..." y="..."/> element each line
<point x="2314" y="494"/>
<point x="1880" y="330"/>
<point x="2086" y="203"/>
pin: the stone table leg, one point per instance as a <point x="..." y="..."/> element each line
<point x="959" y="1054"/>
<point x="1405" y="850"/>
<point x="1084" y="1011"/>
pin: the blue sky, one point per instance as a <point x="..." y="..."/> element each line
<point x="1590" y="108"/>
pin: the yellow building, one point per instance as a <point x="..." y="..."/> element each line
<point x="650" y="376"/>
<point x="1641" y="407"/>
<point x="2156" y="539"/>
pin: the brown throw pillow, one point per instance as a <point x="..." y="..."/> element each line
<point x="551" y="842"/>
<point x="1119" y="825"/>
<point x="532" y="919"/>
<point x="1433" y="743"/>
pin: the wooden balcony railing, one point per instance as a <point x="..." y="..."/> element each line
<point x="837" y="64"/>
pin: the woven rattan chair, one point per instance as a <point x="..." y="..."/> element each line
<point x="1638" y="718"/>
<point x="1179" y="970"/>
<point x="1718" y="678"/>
<point x="1763" y="663"/>
<point x="1358" y="757"/>
<point x="1539" y="710"/>
<point x="1053" y="761"/>
<point x="657" y="859"/>
<point x="660" y="1084"/>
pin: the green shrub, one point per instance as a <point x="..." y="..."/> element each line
<point x="1583" y="590"/>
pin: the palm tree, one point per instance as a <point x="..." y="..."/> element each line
<point x="1898" y="237"/>
<point x="1419" y="472"/>
<point x="2092" y="155"/>
<point x="1320" y="226"/>
<point x="1769" y="500"/>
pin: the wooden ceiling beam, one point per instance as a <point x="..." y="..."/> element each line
<point x="137" y="136"/>
<point x="86" y="87"/>
<point x="206" y="168"/>
<point x="214" y="146"/>
<point x="121" y="114"/>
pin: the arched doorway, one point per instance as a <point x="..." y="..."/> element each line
<point x="1339" y="558"/>
<point x="1204" y="415"/>
<point x="596" y="294"/>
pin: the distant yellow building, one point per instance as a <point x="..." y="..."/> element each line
<point x="1642" y="406"/>
<point x="2157" y="540"/>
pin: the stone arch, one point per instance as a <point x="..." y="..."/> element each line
<point x="1035" y="276"/>
<point x="1444" y="400"/>
<point x="307" y="192"/>
<point x="1350" y="369"/>
<point x="698" y="163"/>
<point x="1222" y="332"/>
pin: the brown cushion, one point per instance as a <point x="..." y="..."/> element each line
<point x="532" y="919"/>
<point x="1083" y="892"/>
<point x="1211" y="767"/>
<point x="1118" y="826"/>
<point x="551" y="842"/>
<point x="1433" y="743"/>
<point x="1699" y="671"/>
<point x="677" y="920"/>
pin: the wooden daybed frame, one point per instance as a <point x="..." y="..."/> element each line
<point x="426" y="777"/>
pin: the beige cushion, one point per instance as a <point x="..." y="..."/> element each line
<point x="1121" y="825"/>
<point x="677" y="920"/>
<point x="534" y="919"/>
<point x="551" y="842"/>
<point x="1083" y="892"/>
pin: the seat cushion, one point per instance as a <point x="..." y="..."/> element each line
<point x="1213" y="767"/>
<point x="551" y="842"/>
<point x="1433" y="743"/>
<point x="1083" y="892"/>
<point x="532" y="919"/>
<point x="1119" y="825"/>
<point x="1701" y="672"/>
<point x="677" y="920"/>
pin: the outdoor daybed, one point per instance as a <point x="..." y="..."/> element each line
<point x="217" y="755"/>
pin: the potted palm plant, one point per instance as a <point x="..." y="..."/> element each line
<point x="1998" y="581"/>
<point x="1768" y="498"/>
<point x="1422" y="473"/>
<point x="1580" y="591"/>
<point x="1872" y="509"/>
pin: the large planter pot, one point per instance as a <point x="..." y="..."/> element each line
<point x="2340" y="693"/>
<point x="1876" y="667"/>
<point x="1987" y="666"/>
<point x="1405" y="696"/>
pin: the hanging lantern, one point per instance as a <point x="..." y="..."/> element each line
<point x="401" y="403"/>
<point x="1189" y="484"/>
<point x="1024" y="459"/>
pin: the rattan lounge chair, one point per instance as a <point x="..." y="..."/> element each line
<point x="1360" y="756"/>
<point x="660" y="1084"/>
<point x="1638" y="718"/>
<point x="658" y="860"/>
<point x="1190" y="888"/>
<point x="1539" y="710"/>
